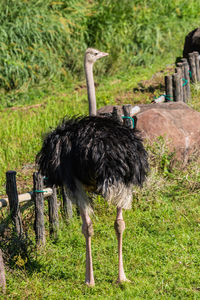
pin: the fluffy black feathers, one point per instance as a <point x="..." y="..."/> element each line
<point x="93" y="150"/>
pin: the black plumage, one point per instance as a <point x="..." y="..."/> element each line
<point x="98" y="152"/>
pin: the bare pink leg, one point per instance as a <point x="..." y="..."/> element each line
<point x="87" y="230"/>
<point x="119" y="228"/>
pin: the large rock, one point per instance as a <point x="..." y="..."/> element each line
<point x="175" y="121"/>
<point x="192" y="42"/>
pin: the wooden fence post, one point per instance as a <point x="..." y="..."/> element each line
<point x="11" y="190"/>
<point x="196" y="58"/>
<point x="180" y="86"/>
<point x="168" y="88"/>
<point x="192" y="67"/>
<point x="126" y="110"/>
<point x="53" y="214"/>
<point x="67" y="205"/>
<point x="182" y="80"/>
<point x="187" y="77"/>
<point x="39" y="208"/>
<point x="2" y="274"/>
<point x="116" y="115"/>
<point x="176" y="87"/>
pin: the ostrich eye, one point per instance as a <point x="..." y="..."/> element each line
<point x="96" y="53"/>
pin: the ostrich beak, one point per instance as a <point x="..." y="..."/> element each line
<point x="104" y="54"/>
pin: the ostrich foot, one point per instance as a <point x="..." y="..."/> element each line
<point x="90" y="283"/>
<point x="122" y="280"/>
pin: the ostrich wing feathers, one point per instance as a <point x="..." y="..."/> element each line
<point x="96" y="151"/>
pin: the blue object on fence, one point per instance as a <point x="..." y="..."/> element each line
<point x="133" y="121"/>
<point x="167" y="97"/>
<point x="38" y="191"/>
<point x="186" y="81"/>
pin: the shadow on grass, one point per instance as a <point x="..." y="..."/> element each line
<point x="149" y="89"/>
<point x="18" y="251"/>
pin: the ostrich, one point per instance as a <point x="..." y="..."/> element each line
<point x="95" y="154"/>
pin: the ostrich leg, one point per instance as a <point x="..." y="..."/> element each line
<point x="87" y="230"/>
<point x="119" y="228"/>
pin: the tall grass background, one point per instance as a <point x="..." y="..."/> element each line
<point x="43" y="40"/>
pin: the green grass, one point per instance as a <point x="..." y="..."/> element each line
<point x="161" y="240"/>
<point x="45" y="40"/>
<point x="161" y="249"/>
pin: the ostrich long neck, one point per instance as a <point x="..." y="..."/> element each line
<point x="90" y="89"/>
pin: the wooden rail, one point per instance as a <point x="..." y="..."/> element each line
<point x="25" y="197"/>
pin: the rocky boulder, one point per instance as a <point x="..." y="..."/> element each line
<point x="175" y="121"/>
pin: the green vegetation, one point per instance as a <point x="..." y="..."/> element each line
<point x="43" y="40"/>
<point x="161" y="246"/>
<point x="41" y="53"/>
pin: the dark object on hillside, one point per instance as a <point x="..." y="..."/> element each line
<point x="175" y="121"/>
<point x="192" y="42"/>
<point x="2" y="274"/>
<point x="97" y="154"/>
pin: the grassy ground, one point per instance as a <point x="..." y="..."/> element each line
<point x="161" y="241"/>
<point x="161" y="248"/>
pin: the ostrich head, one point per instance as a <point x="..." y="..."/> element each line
<point x="91" y="55"/>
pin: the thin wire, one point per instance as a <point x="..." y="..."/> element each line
<point x="166" y="96"/>
<point x="38" y="191"/>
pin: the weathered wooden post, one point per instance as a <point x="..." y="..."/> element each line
<point x="196" y="58"/>
<point x="182" y="81"/>
<point x="116" y="114"/>
<point x="67" y="205"/>
<point x="179" y="72"/>
<point x="180" y="87"/>
<point x="2" y="274"/>
<point x="39" y="208"/>
<point x="192" y="67"/>
<point x="168" y="88"/>
<point x="53" y="213"/>
<point x="11" y="190"/>
<point x="176" y="87"/>
<point x="187" y="77"/>
<point x="127" y="120"/>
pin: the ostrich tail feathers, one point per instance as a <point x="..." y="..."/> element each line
<point x="56" y="149"/>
